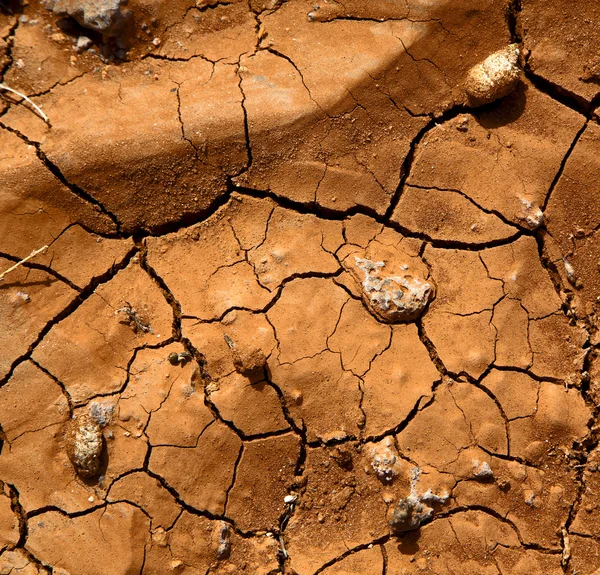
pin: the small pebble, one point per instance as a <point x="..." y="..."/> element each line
<point x="83" y="43"/>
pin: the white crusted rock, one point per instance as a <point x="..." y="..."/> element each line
<point x="84" y="445"/>
<point x="530" y="215"/>
<point x="101" y="412"/>
<point x="393" y="298"/>
<point x="385" y="460"/>
<point x="412" y="511"/>
<point x="482" y="470"/>
<point x="495" y="77"/>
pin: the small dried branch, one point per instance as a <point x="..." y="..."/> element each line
<point x="33" y="104"/>
<point x="30" y="256"/>
<point x="131" y="317"/>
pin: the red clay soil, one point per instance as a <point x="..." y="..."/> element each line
<point x="299" y="305"/>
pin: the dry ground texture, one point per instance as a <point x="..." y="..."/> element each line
<point x="216" y="185"/>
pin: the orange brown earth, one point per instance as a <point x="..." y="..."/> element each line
<point x="318" y="296"/>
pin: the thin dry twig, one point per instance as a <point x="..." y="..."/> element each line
<point x="133" y="319"/>
<point x="33" y="104"/>
<point x="30" y="256"/>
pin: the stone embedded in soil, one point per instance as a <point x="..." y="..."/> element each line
<point x="85" y="442"/>
<point x="495" y="77"/>
<point x="385" y="460"/>
<point x="409" y="514"/>
<point x="395" y="283"/>
<point x="104" y="16"/>
<point x="248" y="360"/>
<point x="223" y="540"/>
<point x="393" y="298"/>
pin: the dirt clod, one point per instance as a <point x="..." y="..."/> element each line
<point x="248" y="360"/>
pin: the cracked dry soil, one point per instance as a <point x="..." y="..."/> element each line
<point x="221" y="204"/>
